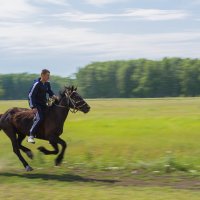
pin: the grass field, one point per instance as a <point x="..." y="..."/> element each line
<point x="123" y="148"/>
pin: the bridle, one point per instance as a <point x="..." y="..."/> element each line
<point x="73" y="102"/>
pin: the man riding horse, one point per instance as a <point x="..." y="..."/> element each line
<point x="17" y="122"/>
<point x="38" y="101"/>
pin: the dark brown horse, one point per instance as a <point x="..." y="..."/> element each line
<point x="16" y="123"/>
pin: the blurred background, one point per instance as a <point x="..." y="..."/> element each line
<point x="137" y="65"/>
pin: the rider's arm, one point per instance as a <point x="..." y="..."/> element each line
<point x="49" y="91"/>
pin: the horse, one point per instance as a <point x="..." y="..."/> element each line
<point x="16" y="124"/>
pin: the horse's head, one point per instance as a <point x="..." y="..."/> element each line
<point x="70" y="98"/>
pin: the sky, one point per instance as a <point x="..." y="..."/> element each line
<point x="65" y="35"/>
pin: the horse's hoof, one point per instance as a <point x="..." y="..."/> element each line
<point x="58" y="161"/>
<point x="29" y="154"/>
<point x="28" y="168"/>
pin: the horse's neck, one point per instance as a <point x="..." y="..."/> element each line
<point x="60" y="113"/>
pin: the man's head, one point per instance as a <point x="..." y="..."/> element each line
<point x="45" y="75"/>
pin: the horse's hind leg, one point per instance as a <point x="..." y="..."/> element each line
<point x="23" y="148"/>
<point x="12" y="135"/>
<point x="61" y="155"/>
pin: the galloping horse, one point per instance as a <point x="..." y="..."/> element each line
<point x="16" y="123"/>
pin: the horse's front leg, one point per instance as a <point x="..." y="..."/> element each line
<point x="53" y="142"/>
<point x="61" y="155"/>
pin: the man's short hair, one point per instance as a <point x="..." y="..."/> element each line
<point x="45" y="71"/>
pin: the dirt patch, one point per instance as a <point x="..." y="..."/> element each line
<point x="119" y="178"/>
<point x="109" y="178"/>
<point x="179" y="183"/>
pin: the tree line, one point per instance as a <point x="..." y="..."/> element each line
<point x="169" y="77"/>
<point x="17" y="86"/>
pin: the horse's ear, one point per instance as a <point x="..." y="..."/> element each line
<point x="72" y="88"/>
<point x="75" y="88"/>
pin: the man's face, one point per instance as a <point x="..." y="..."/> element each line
<point x="45" y="77"/>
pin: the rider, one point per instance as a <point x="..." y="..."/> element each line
<point x="37" y="100"/>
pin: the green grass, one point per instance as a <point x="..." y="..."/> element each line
<point x="90" y="192"/>
<point x="119" y="138"/>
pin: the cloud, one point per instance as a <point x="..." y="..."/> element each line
<point x="22" y="9"/>
<point x="155" y="14"/>
<point x="25" y="9"/>
<point x="16" y="9"/>
<point x="77" y="16"/>
<point x="102" y="2"/>
<point x="55" y="2"/>
<point x="195" y="2"/>
<point x="24" y="40"/>
<point x="132" y="14"/>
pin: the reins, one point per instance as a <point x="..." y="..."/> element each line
<point x="75" y="108"/>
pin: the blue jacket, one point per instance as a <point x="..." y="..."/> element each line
<point x="38" y="93"/>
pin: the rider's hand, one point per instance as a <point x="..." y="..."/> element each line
<point x="34" y="110"/>
<point x="55" y="97"/>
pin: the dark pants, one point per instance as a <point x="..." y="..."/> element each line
<point x="39" y="117"/>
